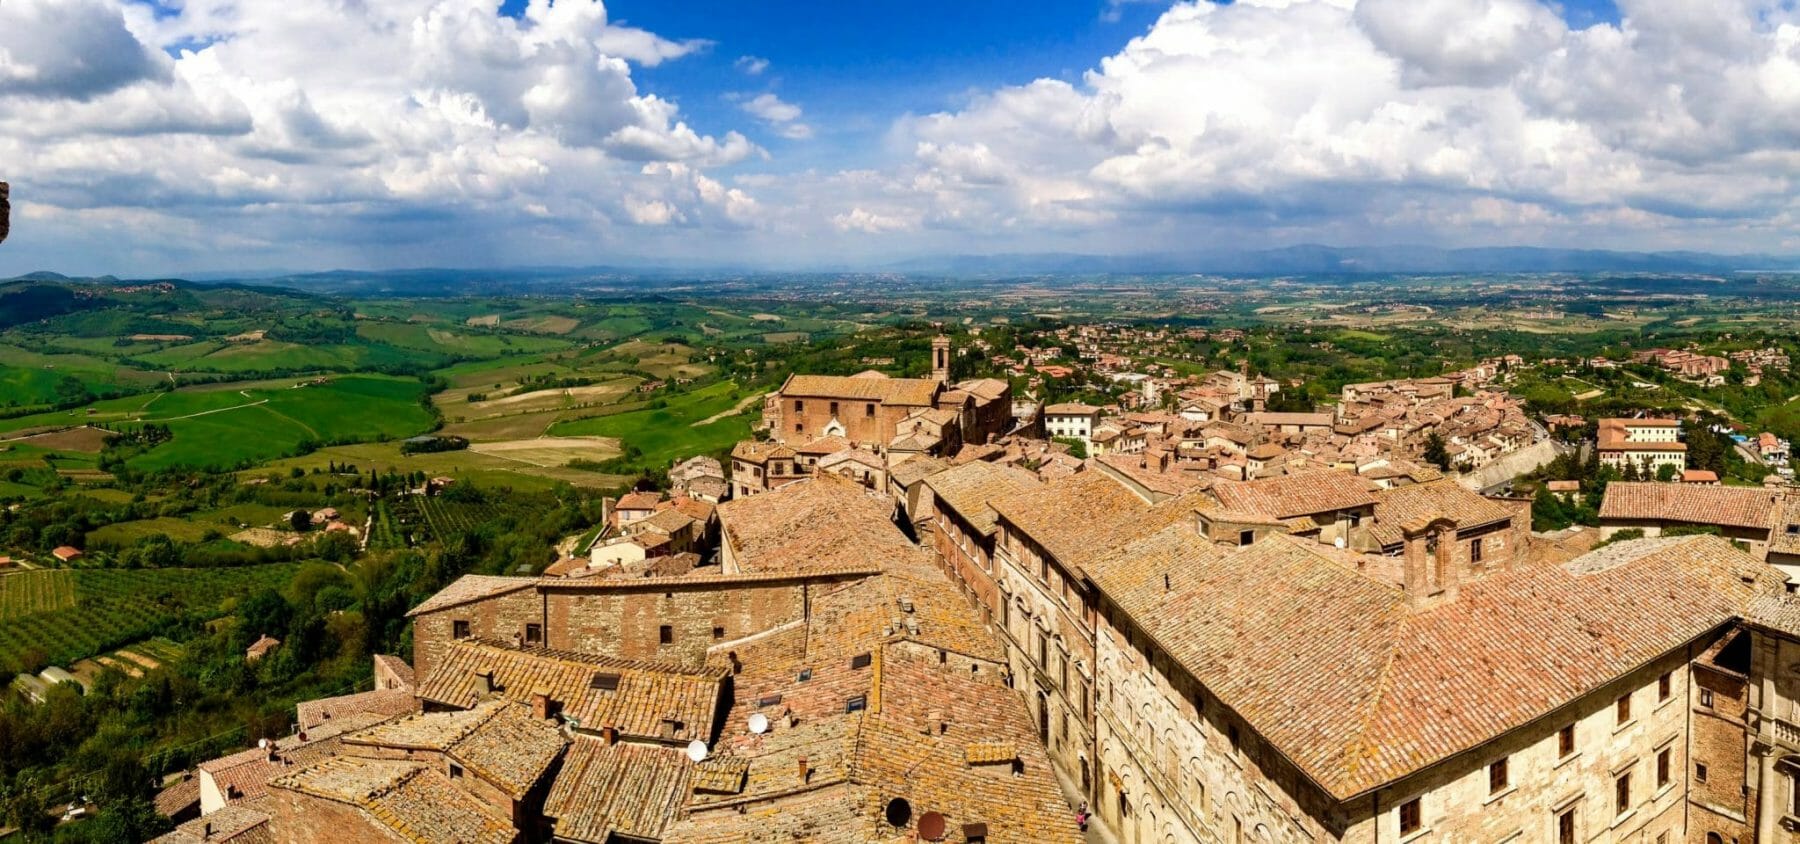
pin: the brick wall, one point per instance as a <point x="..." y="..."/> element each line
<point x="629" y="623"/>
<point x="804" y="419"/>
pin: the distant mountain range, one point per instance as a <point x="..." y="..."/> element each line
<point x="1293" y="260"/>
<point x="1337" y="260"/>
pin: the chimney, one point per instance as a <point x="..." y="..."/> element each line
<point x="540" y="704"/>
<point x="610" y="735"/>
<point x="805" y="770"/>
<point x="484" y="681"/>
<point x="1429" y="571"/>
<point x="206" y="830"/>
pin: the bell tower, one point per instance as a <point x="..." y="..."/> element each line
<point x="940" y="359"/>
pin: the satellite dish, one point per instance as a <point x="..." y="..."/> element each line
<point x="262" y="743"/>
<point x="931" y="826"/>
<point x="759" y="723"/>
<point x="697" y="750"/>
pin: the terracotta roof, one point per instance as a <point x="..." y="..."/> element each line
<point x="397" y="666"/>
<point x="499" y="740"/>
<point x="1728" y="506"/>
<point x="1073" y="516"/>
<point x="627" y="789"/>
<point x="1413" y="505"/>
<point x="1071" y="409"/>
<point x="913" y="470"/>
<point x="1286" y="496"/>
<point x="179" y="797"/>
<point x="667" y="521"/>
<point x="385" y="702"/>
<point x="1322" y="420"/>
<point x="645" y="694"/>
<point x="968" y="489"/>
<point x="1780" y="613"/>
<point x="639" y="501"/>
<point x="248" y="772"/>
<point x="1611" y="435"/>
<point x="823" y="446"/>
<point x="753" y="451"/>
<point x="410" y="799"/>
<point x="236" y="824"/>
<point x="898" y="391"/>
<point x="821" y="522"/>
<point x="1359" y="689"/>
<point x="1699" y="476"/>
<point x="470" y="587"/>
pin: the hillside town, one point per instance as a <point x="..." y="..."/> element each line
<point x="918" y="609"/>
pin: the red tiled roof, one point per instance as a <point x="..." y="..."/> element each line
<point x="897" y="391"/>
<point x="1358" y="688"/>
<point x="1727" y="506"/>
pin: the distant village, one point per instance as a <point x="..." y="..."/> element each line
<point x="922" y="609"/>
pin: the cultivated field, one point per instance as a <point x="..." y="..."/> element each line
<point x="111" y="607"/>
<point x="551" y="451"/>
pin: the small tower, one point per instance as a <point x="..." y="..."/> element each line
<point x="940" y="358"/>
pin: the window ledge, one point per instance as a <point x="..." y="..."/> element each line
<point x="1662" y="703"/>
<point x="1499" y="795"/>
<point x="1415" y="835"/>
<point x="1567" y="759"/>
<point x="1625" y="726"/>
<point x="1624" y="817"/>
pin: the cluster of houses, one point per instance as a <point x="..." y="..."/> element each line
<point x="1316" y="655"/>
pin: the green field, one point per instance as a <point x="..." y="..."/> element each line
<point x="664" y="435"/>
<point x="26" y="592"/>
<point x="111" y="607"/>
<point x="218" y="428"/>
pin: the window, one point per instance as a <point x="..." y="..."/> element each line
<point x="856" y="704"/>
<point x="1622" y="794"/>
<point x="605" y="682"/>
<point x="800" y="427"/>
<point x="1246" y="537"/>
<point x="1565" y="827"/>
<point x="1662" y="768"/>
<point x="534" y="634"/>
<point x="1475" y="550"/>
<point x="1699" y="772"/>
<point x="1664" y="687"/>
<point x="456" y="771"/>
<point x="861" y="661"/>
<point x="1409" y="817"/>
<point x="869" y="410"/>
<point x="799" y="406"/>
<point x="1565" y="741"/>
<point x="834" y="408"/>
<point x="1624" y="709"/>
<point x="718" y="632"/>
<point x="1497" y="777"/>
<point x="665" y="635"/>
<point x="1706" y="698"/>
<point x="1043" y="649"/>
<point x="459" y="629"/>
<point x="1713" y="838"/>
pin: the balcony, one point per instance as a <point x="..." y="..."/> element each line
<point x="1785" y="733"/>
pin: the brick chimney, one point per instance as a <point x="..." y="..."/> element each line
<point x="1430" y="574"/>
<point x="805" y="770"/>
<point x="540" y="704"/>
<point x="484" y="681"/>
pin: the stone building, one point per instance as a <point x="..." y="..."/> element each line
<point x="1274" y="692"/>
<point x="1746" y="514"/>
<point x="1648" y="444"/>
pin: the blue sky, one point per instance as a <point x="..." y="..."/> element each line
<point x="147" y="136"/>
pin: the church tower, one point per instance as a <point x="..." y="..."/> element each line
<point x="940" y="359"/>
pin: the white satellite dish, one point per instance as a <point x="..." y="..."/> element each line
<point x="697" y="750"/>
<point x="759" y="723"/>
<point x="263" y="743"/>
